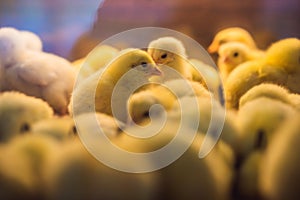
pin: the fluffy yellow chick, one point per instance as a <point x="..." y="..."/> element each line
<point x="94" y="61"/>
<point x="280" y="66"/>
<point x="268" y="90"/>
<point x="232" y="34"/>
<point x="279" y="170"/>
<point x="59" y="128"/>
<point x="18" y="112"/>
<point x="74" y="174"/>
<point x="188" y="177"/>
<point x="129" y="70"/>
<point x="21" y="165"/>
<point x="170" y="54"/>
<point x="233" y="54"/>
<point x="258" y="120"/>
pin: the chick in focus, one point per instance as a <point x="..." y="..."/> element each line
<point x="18" y="112"/>
<point x="35" y="73"/>
<point x="232" y="34"/>
<point x="110" y="88"/>
<point x="280" y="66"/>
<point x="232" y="54"/>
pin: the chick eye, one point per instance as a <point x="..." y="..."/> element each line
<point x="24" y="128"/>
<point x="236" y="54"/>
<point x="74" y="130"/>
<point x="261" y="140"/>
<point x="144" y="64"/>
<point x="164" y="55"/>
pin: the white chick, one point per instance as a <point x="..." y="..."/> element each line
<point x="279" y="169"/>
<point x="35" y="73"/>
<point x="21" y="165"/>
<point x="188" y="177"/>
<point x="232" y="34"/>
<point x="233" y="54"/>
<point x="169" y="53"/>
<point x="74" y="174"/>
<point x="94" y="61"/>
<point x="32" y="40"/>
<point x="18" y="112"/>
<point x="110" y="88"/>
<point x="268" y="90"/>
<point x="59" y="128"/>
<point x="280" y="66"/>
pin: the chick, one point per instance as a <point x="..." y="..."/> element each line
<point x="59" y="128"/>
<point x="21" y="165"/>
<point x="75" y="174"/>
<point x="279" y="169"/>
<point x="170" y="54"/>
<point x="258" y="120"/>
<point x="233" y="54"/>
<point x="33" y="41"/>
<point x="232" y="34"/>
<point x="95" y="60"/>
<point x="188" y="177"/>
<point x="110" y="88"/>
<point x="18" y="112"/>
<point x="280" y="66"/>
<point x="268" y="90"/>
<point x="35" y="73"/>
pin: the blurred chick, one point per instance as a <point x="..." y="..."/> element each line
<point x="32" y="40"/>
<point x="280" y="66"/>
<point x="95" y="60"/>
<point x="22" y="161"/>
<point x="129" y="70"/>
<point x="169" y="53"/>
<point x="35" y="73"/>
<point x="75" y="174"/>
<point x="59" y="128"/>
<point x="232" y="34"/>
<point x="279" y="169"/>
<point x="18" y="112"/>
<point x="232" y="54"/>
<point x="268" y="90"/>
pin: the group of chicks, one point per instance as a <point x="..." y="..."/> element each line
<point x="43" y="95"/>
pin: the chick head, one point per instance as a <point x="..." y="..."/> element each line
<point x="11" y="45"/>
<point x="233" y="34"/>
<point x="233" y="53"/>
<point x="164" y="50"/>
<point x="18" y="112"/>
<point x="135" y="59"/>
<point x="285" y="53"/>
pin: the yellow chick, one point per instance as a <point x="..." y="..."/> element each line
<point x="75" y="174"/>
<point x="258" y="120"/>
<point x="280" y="66"/>
<point x="233" y="54"/>
<point x="94" y="61"/>
<point x="59" y="128"/>
<point x="268" y="90"/>
<point x="279" y="169"/>
<point x="169" y="53"/>
<point x="18" y="112"/>
<point x="21" y="166"/>
<point x="232" y="34"/>
<point x="122" y="76"/>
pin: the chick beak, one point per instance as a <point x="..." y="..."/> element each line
<point x="226" y="59"/>
<point x="213" y="48"/>
<point x="156" y="72"/>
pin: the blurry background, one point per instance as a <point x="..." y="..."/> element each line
<point x="71" y="28"/>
